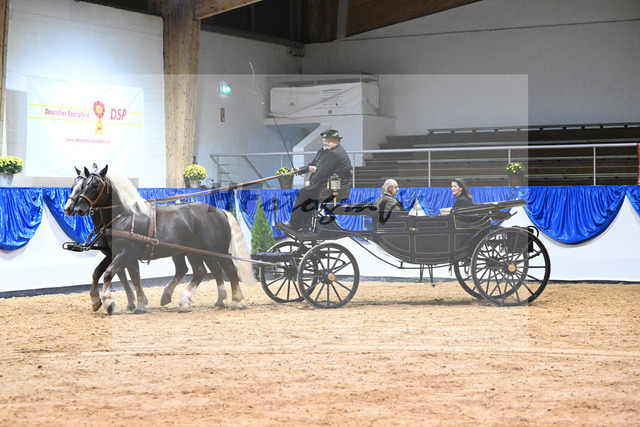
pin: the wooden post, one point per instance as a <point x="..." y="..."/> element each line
<point x="181" y="41"/>
<point x="4" y="31"/>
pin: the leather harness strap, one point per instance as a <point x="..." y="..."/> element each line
<point x="149" y="240"/>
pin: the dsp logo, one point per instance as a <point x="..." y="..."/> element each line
<point x="118" y="113"/>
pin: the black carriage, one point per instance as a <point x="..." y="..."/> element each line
<point x="508" y="266"/>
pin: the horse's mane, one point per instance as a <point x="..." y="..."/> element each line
<point x="128" y="194"/>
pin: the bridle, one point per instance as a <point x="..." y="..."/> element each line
<point x="105" y="190"/>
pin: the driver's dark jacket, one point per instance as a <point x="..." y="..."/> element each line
<point x="333" y="160"/>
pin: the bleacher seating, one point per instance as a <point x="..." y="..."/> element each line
<point x="459" y="153"/>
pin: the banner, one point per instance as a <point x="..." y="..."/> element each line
<point x="76" y="124"/>
<point x="325" y="100"/>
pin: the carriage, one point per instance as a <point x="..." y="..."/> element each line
<point x="507" y="266"/>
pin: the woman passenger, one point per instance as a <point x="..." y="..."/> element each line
<point x="461" y="192"/>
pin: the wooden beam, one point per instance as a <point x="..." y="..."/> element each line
<point x="4" y="31"/>
<point x="181" y="41"/>
<point x="207" y="8"/>
<point x="366" y="15"/>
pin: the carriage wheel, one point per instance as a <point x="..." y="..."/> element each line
<point x="510" y="267"/>
<point x="328" y="276"/>
<point x="463" y="274"/>
<point x="279" y="283"/>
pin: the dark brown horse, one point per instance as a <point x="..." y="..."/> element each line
<point x="134" y="271"/>
<point x="192" y="225"/>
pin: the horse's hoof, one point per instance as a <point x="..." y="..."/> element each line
<point x="131" y="307"/>
<point x="237" y="306"/>
<point x="220" y="304"/>
<point x="140" y="309"/>
<point x="96" y="306"/>
<point x="166" y="299"/>
<point x="184" y="307"/>
<point x="111" y="306"/>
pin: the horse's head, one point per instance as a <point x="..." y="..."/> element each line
<point x="76" y="188"/>
<point x="93" y="192"/>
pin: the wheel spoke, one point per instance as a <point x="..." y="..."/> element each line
<point x="335" y="291"/>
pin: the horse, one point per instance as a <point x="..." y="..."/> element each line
<point x="69" y="206"/>
<point x="200" y="227"/>
<point x="134" y="271"/>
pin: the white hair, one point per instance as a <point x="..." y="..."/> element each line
<point x="129" y="196"/>
<point x="388" y="183"/>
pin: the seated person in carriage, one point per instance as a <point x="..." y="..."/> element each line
<point x="461" y="192"/>
<point x="331" y="160"/>
<point x="387" y="201"/>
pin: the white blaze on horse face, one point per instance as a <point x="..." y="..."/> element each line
<point x="75" y="192"/>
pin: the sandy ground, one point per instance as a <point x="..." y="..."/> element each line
<point x="398" y="354"/>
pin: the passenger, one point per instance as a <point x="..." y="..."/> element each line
<point x="461" y="192"/>
<point x="387" y="200"/>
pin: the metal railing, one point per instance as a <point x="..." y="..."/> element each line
<point x="507" y="148"/>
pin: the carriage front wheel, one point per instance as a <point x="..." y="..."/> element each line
<point x="328" y="276"/>
<point x="279" y="281"/>
<point x="510" y="266"/>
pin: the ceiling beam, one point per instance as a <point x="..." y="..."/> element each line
<point x="367" y="15"/>
<point x="207" y="8"/>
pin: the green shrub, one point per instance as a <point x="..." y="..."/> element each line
<point x="261" y="232"/>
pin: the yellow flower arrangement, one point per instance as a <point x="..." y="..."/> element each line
<point x="515" y="168"/>
<point x="195" y="171"/>
<point x="10" y="164"/>
<point x="283" y="170"/>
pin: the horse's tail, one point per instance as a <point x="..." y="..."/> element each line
<point x="238" y="247"/>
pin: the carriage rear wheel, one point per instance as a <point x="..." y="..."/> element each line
<point x="328" y="276"/>
<point x="279" y="282"/>
<point x="462" y="270"/>
<point x="510" y="266"/>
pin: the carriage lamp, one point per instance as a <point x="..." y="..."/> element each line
<point x="334" y="186"/>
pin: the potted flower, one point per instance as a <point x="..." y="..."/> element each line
<point x="9" y="166"/>
<point x="194" y="174"/>
<point x="515" y="173"/>
<point x="286" y="181"/>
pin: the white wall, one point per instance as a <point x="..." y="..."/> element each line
<point x="581" y="59"/>
<point x="227" y="59"/>
<point x="77" y="41"/>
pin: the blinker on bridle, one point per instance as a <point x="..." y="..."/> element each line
<point x="104" y="190"/>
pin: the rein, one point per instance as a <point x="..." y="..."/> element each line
<point x="302" y="170"/>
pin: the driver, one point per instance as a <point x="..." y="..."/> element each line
<point x="332" y="160"/>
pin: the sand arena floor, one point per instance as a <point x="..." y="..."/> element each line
<point x="398" y="354"/>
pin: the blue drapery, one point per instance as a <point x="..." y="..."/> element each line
<point x="75" y="227"/>
<point x="572" y="214"/>
<point x="633" y="193"/>
<point x="20" y="216"/>
<point x="566" y="214"/>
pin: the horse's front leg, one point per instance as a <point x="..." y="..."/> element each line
<point x="134" y="272"/>
<point x="181" y="271"/>
<point x="199" y="273"/>
<point x="97" y="273"/>
<point x="117" y="264"/>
